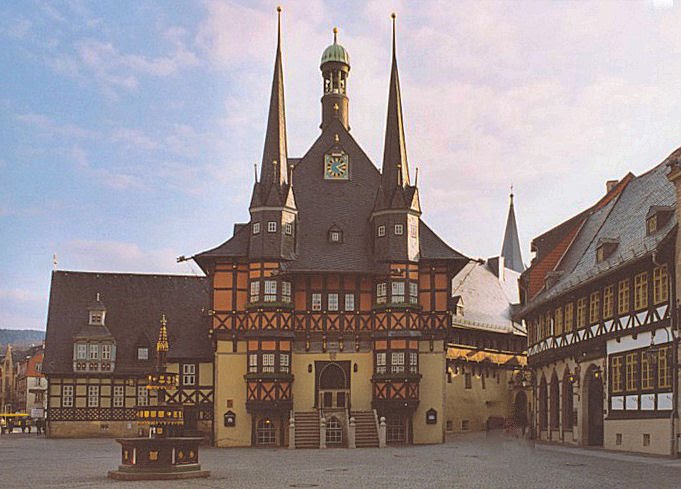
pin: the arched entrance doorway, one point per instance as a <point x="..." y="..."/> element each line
<point x="333" y="385"/>
<point x="520" y="410"/>
<point x="593" y="387"/>
<point x="543" y="405"/>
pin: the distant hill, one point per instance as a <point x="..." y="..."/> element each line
<point x="20" y="337"/>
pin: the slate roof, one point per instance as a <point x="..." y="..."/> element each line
<point x="510" y="249"/>
<point x="622" y="218"/>
<point x="134" y="304"/>
<point x="485" y="303"/>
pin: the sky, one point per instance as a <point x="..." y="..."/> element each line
<point x="129" y="129"/>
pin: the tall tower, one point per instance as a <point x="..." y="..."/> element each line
<point x="510" y="249"/>
<point x="396" y="209"/>
<point x="273" y="206"/>
<point x="335" y="66"/>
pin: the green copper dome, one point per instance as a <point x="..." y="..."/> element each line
<point x="335" y="52"/>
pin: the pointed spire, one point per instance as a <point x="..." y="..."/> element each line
<point x="510" y="249"/>
<point x="275" y="151"/>
<point x="395" y="165"/>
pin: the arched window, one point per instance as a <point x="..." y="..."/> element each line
<point x="568" y="403"/>
<point x="543" y="405"/>
<point x="265" y="432"/>
<point x="334" y="431"/>
<point x="555" y="402"/>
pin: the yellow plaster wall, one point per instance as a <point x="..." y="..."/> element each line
<point x="431" y="393"/>
<point x="91" y="429"/>
<point x="230" y="386"/>
<point x="632" y="431"/>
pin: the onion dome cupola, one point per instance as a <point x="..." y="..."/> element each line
<point x="335" y="67"/>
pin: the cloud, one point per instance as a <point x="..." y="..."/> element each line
<point x="20" y="295"/>
<point x="119" y="256"/>
<point x="133" y="138"/>
<point x="49" y="126"/>
<point x="105" y="176"/>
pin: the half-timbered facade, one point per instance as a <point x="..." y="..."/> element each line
<point x="600" y="309"/>
<point x="334" y="300"/>
<point x="100" y="347"/>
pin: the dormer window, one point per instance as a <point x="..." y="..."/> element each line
<point x="605" y="248"/>
<point x="95" y="318"/>
<point x="458" y="305"/>
<point x="256" y="228"/>
<point x="335" y="236"/>
<point x="657" y="217"/>
<point x="288" y="229"/>
<point x="142" y="353"/>
<point x="380" y="231"/>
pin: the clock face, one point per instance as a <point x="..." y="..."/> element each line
<point x="336" y="166"/>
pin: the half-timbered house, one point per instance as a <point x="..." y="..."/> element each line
<point x="599" y="300"/>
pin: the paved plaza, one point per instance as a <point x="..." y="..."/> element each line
<point x="467" y="461"/>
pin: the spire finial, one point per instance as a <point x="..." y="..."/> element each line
<point x="511" y="195"/>
<point x="393" y="16"/>
<point x="278" y="24"/>
<point x="335" y="35"/>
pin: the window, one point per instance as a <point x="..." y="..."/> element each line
<point x="616" y="374"/>
<point x="288" y="229"/>
<point x="542" y="328"/>
<point x="600" y="254"/>
<point x="349" y="302"/>
<point x="664" y="371"/>
<point x="398" y="292"/>
<point x="95" y="318"/>
<point x="395" y="429"/>
<point x="332" y="302"/>
<point x="38" y="368"/>
<point x="594" y="305"/>
<point x="380" y="362"/>
<point x="558" y="321"/>
<point x="399" y="229"/>
<point x="118" y="396"/>
<point x="468" y="380"/>
<point x="188" y="374"/>
<point x="94" y="351"/>
<point x="106" y="352"/>
<point x="335" y="236"/>
<point x="142" y="395"/>
<point x="647" y="373"/>
<point x="641" y="291"/>
<point x="632" y="371"/>
<point x="334" y="431"/>
<point x="381" y="293"/>
<point x="255" y="291"/>
<point x="256" y="228"/>
<point x="651" y="224"/>
<point x="81" y="351"/>
<point x="67" y="396"/>
<point x="252" y="363"/>
<point x="646" y="439"/>
<point x="92" y="396"/>
<point x="397" y="362"/>
<point x="413" y="228"/>
<point x="270" y="290"/>
<point x="316" y="302"/>
<point x="660" y="285"/>
<point x="581" y="313"/>
<point x="623" y="297"/>
<point x="268" y="363"/>
<point x="286" y="291"/>
<point x="608" y="301"/>
<point x="272" y="227"/>
<point x="265" y="432"/>
<point x="142" y="353"/>
<point x="380" y="231"/>
<point x="284" y="363"/>
<point x="569" y="315"/>
<point x="413" y="362"/>
<point x="618" y="438"/>
<point x="465" y="425"/>
<point x="413" y="292"/>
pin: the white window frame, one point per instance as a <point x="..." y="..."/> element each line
<point x="268" y="363"/>
<point x="92" y="396"/>
<point x="332" y="302"/>
<point x="93" y="351"/>
<point x="252" y="363"/>
<point x="106" y="352"/>
<point x="272" y="226"/>
<point x="256" y="228"/>
<point x="399" y="229"/>
<point x="142" y="353"/>
<point x="397" y="296"/>
<point x="288" y="229"/>
<point x="270" y="291"/>
<point x="118" y="399"/>
<point x="381" y="362"/>
<point x="413" y="292"/>
<point x="334" y="236"/>
<point x="397" y="362"/>
<point x="286" y="292"/>
<point x="316" y="301"/>
<point x="255" y="290"/>
<point x="188" y="374"/>
<point x="67" y="395"/>
<point x="413" y="362"/>
<point x="349" y="302"/>
<point x="81" y="351"/>
<point x="142" y="395"/>
<point x="381" y="293"/>
<point x="380" y="231"/>
<point x="284" y="363"/>
<point x="96" y="318"/>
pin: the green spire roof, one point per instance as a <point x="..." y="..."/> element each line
<point x="335" y="52"/>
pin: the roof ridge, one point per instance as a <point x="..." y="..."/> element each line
<point x="137" y="274"/>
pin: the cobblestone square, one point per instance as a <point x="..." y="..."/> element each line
<point x="467" y="461"/>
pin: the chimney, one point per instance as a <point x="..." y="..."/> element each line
<point x="610" y="184"/>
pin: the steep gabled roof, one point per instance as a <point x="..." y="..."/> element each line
<point x="510" y="249"/>
<point x="134" y="304"/>
<point x="434" y="248"/>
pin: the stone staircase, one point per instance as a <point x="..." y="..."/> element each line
<point x="307" y="429"/>
<point x="366" y="434"/>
